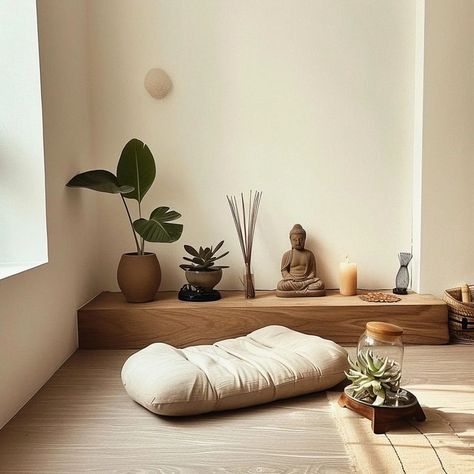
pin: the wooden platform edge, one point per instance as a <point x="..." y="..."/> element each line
<point x="129" y="326"/>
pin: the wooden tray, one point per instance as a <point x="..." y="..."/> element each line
<point x="384" y="418"/>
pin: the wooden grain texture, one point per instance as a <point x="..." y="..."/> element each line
<point x="442" y="379"/>
<point x="83" y="421"/>
<point x="108" y="322"/>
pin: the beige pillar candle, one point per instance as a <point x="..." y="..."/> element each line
<point x="348" y="278"/>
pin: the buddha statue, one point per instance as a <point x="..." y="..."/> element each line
<point x="298" y="268"/>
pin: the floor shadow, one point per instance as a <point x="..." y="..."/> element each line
<point x="294" y="403"/>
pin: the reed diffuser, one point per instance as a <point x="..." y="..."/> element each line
<point x="245" y="220"/>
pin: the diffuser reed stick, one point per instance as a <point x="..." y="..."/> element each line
<point x="245" y="220"/>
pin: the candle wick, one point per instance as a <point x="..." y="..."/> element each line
<point x="347" y="258"/>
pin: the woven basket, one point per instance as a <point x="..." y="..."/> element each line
<point x="460" y="316"/>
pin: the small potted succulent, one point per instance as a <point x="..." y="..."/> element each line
<point x="201" y="272"/>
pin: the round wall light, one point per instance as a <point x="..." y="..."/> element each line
<point x="158" y="83"/>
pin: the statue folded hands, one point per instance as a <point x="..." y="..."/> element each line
<point x="298" y="268"/>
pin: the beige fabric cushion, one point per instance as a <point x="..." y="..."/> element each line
<point x="268" y="364"/>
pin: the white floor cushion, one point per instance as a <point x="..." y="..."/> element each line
<point x="268" y="364"/>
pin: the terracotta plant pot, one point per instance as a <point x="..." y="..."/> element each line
<point x="139" y="276"/>
<point x="201" y="279"/>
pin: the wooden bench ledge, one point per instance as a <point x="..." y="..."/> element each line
<point x="109" y="322"/>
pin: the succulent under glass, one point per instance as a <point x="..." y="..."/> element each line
<point x="203" y="260"/>
<point x="374" y="378"/>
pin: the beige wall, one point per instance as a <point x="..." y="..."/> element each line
<point x="447" y="161"/>
<point x="38" y="309"/>
<point x="309" y="101"/>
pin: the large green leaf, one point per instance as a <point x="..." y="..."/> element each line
<point x="158" y="227"/>
<point x="136" y="168"/>
<point x="99" y="180"/>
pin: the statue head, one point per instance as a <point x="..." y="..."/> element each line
<point x="297" y="237"/>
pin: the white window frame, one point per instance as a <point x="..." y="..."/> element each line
<point x="23" y="234"/>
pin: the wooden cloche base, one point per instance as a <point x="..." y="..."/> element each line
<point x="383" y="418"/>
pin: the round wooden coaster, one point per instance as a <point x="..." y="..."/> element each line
<point x="379" y="297"/>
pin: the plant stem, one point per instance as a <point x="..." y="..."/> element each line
<point x="131" y="224"/>
<point x="142" y="240"/>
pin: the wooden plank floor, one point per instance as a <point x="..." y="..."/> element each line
<point x="83" y="421"/>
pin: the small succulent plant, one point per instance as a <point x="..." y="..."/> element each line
<point x="203" y="259"/>
<point x="373" y="378"/>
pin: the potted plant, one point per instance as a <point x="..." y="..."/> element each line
<point x="202" y="273"/>
<point x="374" y="378"/>
<point x="139" y="273"/>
